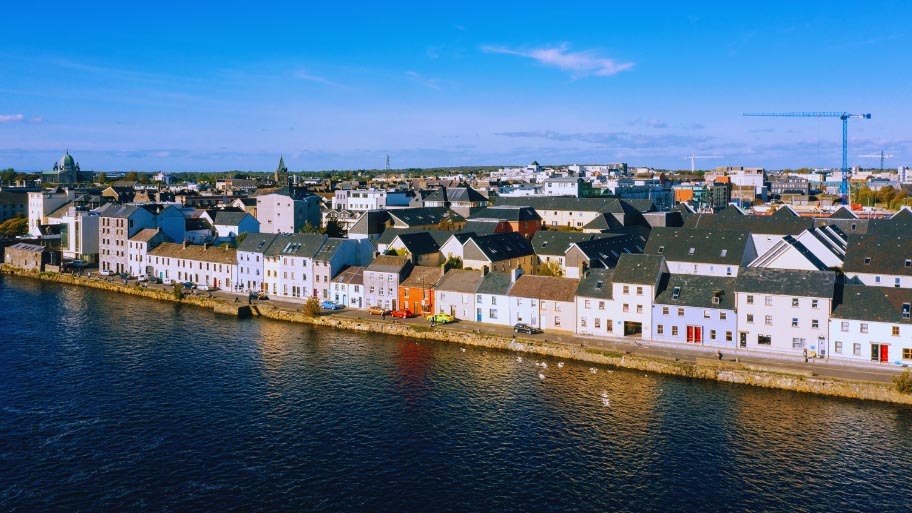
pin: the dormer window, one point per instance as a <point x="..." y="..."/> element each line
<point x="691" y="251"/>
<point x="716" y="300"/>
<point x="908" y="263"/>
<point x="598" y="285"/>
<point x="724" y="252"/>
<point x="662" y="250"/>
<point x="675" y="293"/>
<point x="906" y="310"/>
<point x="867" y="261"/>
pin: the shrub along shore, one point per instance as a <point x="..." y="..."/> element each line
<point x="702" y="368"/>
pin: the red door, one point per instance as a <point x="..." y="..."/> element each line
<point x="690" y="333"/>
<point x="698" y="334"/>
<point x="884" y="353"/>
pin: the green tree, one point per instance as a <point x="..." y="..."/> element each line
<point x="102" y="178"/>
<point x="903" y="382"/>
<point x="132" y="176"/>
<point x="550" y="269"/>
<point x="309" y="228"/>
<point x="334" y="228"/>
<point x="453" y="262"/>
<point x="178" y="291"/>
<point x="14" y="227"/>
<point x="241" y="237"/>
<point x="7" y="175"/>
<point x="312" y="307"/>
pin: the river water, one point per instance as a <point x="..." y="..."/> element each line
<point x="113" y="403"/>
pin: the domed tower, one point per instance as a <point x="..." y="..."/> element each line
<point x="67" y="170"/>
<point x="281" y="173"/>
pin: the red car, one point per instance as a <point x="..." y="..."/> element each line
<point x="405" y="313"/>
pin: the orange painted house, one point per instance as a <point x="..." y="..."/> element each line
<point x="416" y="293"/>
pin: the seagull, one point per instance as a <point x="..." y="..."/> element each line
<point x="606" y="401"/>
<point x="519" y="359"/>
<point x="463" y="349"/>
<point x="560" y="365"/>
<point x="544" y="365"/>
<point x="541" y="376"/>
<point x="593" y="370"/>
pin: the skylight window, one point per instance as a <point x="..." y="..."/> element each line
<point x="908" y="263"/>
<point x="598" y="285"/>
<point x="661" y="249"/>
<point x="691" y="251"/>
<point x="906" y="310"/>
<point x="724" y="252"/>
<point x="675" y="293"/>
<point x="867" y="260"/>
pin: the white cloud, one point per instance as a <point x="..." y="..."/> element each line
<point x="11" y="118"/>
<point x="429" y="82"/>
<point x="303" y="75"/>
<point x="579" y="64"/>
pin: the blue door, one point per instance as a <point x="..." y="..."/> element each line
<point x="478" y="314"/>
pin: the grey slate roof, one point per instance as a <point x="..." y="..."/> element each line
<point x="257" y="242"/>
<point x="731" y="218"/>
<point x="549" y="288"/>
<point x="229" y="218"/>
<point x="504" y="246"/>
<point x="877" y="254"/>
<point x="423" y="277"/>
<point x="557" y="203"/>
<point x="639" y="269"/>
<point x="460" y="280"/>
<point x="352" y="275"/>
<point x="556" y="243"/>
<point x="786" y="282"/>
<point x="596" y="283"/>
<point x="422" y="216"/>
<point x="876" y="304"/>
<point x="464" y="194"/>
<point x="698" y="291"/>
<point x="387" y="264"/>
<point x="508" y="213"/>
<point x="604" y="252"/>
<point x="481" y="227"/>
<point x="421" y="243"/>
<point x="295" y="244"/>
<point x="717" y="246"/>
<point x="843" y="213"/>
<point x="370" y="222"/>
<point x="495" y="283"/>
<point x="604" y="222"/>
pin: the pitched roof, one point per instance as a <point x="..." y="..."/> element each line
<point x="423" y="216"/>
<point x="513" y="213"/>
<point x="503" y="246"/>
<point x="257" y="242"/>
<point x="596" y="283"/>
<point x="724" y="247"/>
<point x="786" y="282"/>
<point x="352" y="275"/>
<point x="370" y="222"/>
<point x="697" y="291"/>
<point x="604" y="252"/>
<point x="554" y="203"/>
<point x="387" y="263"/>
<point x="424" y="277"/>
<point x="460" y="280"/>
<point x="229" y="218"/>
<point x="495" y="283"/>
<point x="34" y="248"/>
<point x="604" y="221"/>
<point x="843" y="213"/>
<point x="456" y="194"/>
<point x="423" y="242"/>
<point x="731" y="218"/>
<point x="146" y="234"/>
<point x="545" y="287"/>
<point x="481" y="227"/>
<point x="639" y="269"/>
<point x="879" y="254"/>
<point x="556" y="243"/>
<point x="218" y="255"/>
<point x="876" y="304"/>
<point x="295" y="244"/>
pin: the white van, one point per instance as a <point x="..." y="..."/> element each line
<point x="168" y="281"/>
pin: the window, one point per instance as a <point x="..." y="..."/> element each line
<point x="691" y="251"/>
<point x="680" y="312"/>
<point x="728" y="336"/>
<point x="856" y="349"/>
<point x="814" y="303"/>
<point x="794" y="302"/>
<point x="815" y="324"/>
<point x="768" y="320"/>
<point x="372" y="289"/>
<point x="908" y="263"/>
<point x="837" y="347"/>
<point x="662" y="250"/>
<point x="896" y="282"/>
<point x="716" y="300"/>
<point x="750" y="299"/>
<point x="863" y="328"/>
<point x="867" y="261"/>
<point x="797" y="343"/>
<point x="598" y="323"/>
<point x="660" y="330"/>
<point x="728" y="271"/>
<point x="674" y="331"/>
<point x="582" y="322"/>
<point x="722" y="316"/>
<point x="906" y="310"/>
<point x="722" y="254"/>
<point x="639" y="309"/>
<point x="768" y="300"/>
<point x="794" y="322"/>
<point x="844" y="326"/>
<point x="712" y="334"/>
<point x="877" y="279"/>
<point x="477" y="298"/>
<point x="626" y="289"/>
<point x="639" y="291"/>
<point x="907" y="353"/>
<point x="626" y="307"/>
<point x="609" y="326"/>
<point x="750" y="318"/>
<point x="895" y="331"/>
<point x="664" y="310"/>
<point x="405" y="292"/>
<point x="601" y="305"/>
<point x="764" y="340"/>
<point x="675" y="293"/>
<point x="586" y="303"/>
<point x="556" y="306"/>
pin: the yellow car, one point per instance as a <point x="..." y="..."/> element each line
<point x="441" y="318"/>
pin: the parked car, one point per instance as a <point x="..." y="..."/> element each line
<point x="188" y="285"/>
<point x="106" y="272"/>
<point x="168" y="281"/>
<point x="525" y="328"/>
<point x="205" y="288"/>
<point x="330" y="305"/>
<point x="142" y="277"/>
<point x="441" y="318"/>
<point x="405" y="313"/>
<point x="377" y="310"/>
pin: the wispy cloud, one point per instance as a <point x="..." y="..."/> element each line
<point x="655" y="123"/>
<point x="309" y="77"/>
<point x="616" y="140"/>
<point x="11" y="118"/>
<point x="429" y="82"/>
<point x="578" y="64"/>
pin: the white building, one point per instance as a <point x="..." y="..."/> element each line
<point x="634" y="287"/>
<point x="595" y="308"/>
<point x="40" y="204"/>
<point x="872" y="324"/>
<point x="201" y="265"/>
<point x="784" y="310"/>
<point x="492" y="301"/>
<point x="280" y="213"/>
<point x="455" y="293"/>
<point x="348" y="288"/>
<point x="702" y="252"/>
<point x="544" y="302"/>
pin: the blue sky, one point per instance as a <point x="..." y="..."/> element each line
<point x="232" y="85"/>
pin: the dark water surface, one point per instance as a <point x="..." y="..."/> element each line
<point x="111" y="403"/>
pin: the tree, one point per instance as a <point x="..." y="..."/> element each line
<point x="241" y="237"/>
<point x="309" y="228"/>
<point x="132" y="176"/>
<point x="453" y="262"/>
<point x="178" y="291"/>
<point x="14" y="227"/>
<point x="7" y="175"/>
<point x="334" y="228"/>
<point x="102" y="178"/>
<point x="312" y="307"/>
<point x="550" y="269"/>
